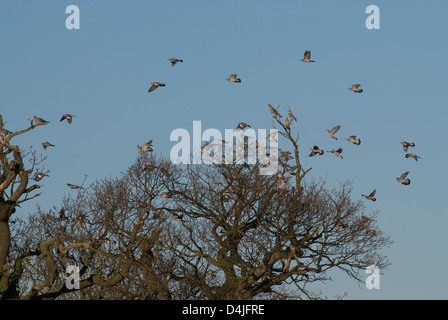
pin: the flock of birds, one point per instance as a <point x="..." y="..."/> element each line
<point x="315" y="150"/>
<point x="353" y="139"/>
<point x="39" y="121"/>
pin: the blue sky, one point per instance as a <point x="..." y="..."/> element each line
<point x="101" y="74"/>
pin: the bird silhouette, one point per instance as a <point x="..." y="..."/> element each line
<point x="39" y="176"/>
<point x="402" y="179"/>
<point x="174" y="61"/>
<point x="233" y="78"/>
<point x="291" y="115"/>
<point x="147" y="147"/>
<point x="165" y="195"/>
<point x="333" y="131"/>
<point x="68" y="117"/>
<point x="315" y="150"/>
<point x="370" y="196"/>
<point x="40" y="121"/>
<point x="355" y="88"/>
<point x="412" y="155"/>
<point x="354" y="140"/>
<point x="47" y="144"/>
<point x="406" y="145"/>
<point x="155" y="85"/>
<point x="307" y="57"/>
<point x="271" y="136"/>
<point x="74" y="186"/>
<point x="242" y="126"/>
<point x="337" y="152"/>
<point x="274" y="111"/>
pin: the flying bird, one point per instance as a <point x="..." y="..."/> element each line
<point x="174" y="61"/>
<point x="370" y="196"/>
<point x="315" y="150"/>
<point x="155" y="85"/>
<point x="40" y="121"/>
<point x="147" y="147"/>
<point x="68" y="117"/>
<point x="412" y="155"/>
<point x="337" y="152"/>
<point x="47" y="144"/>
<point x="242" y="126"/>
<point x="354" y="140"/>
<point x="39" y="176"/>
<point x="406" y="145"/>
<point x="271" y="136"/>
<point x="355" y="88"/>
<point x="233" y="78"/>
<point x="274" y="111"/>
<point x="403" y="179"/>
<point x="307" y="57"/>
<point x="74" y="186"/>
<point x="291" y="115"/>
<point x="333" y="131"/>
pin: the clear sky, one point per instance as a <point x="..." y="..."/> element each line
<point x="101" y="73"/>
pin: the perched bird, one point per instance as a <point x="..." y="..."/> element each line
<point x="155" y="85"/>
<point x="287" y="123"/>
<point x="286" y="155"/>
<point x="233" y="78"/>
<point x="280" y="175"/>
<point x="352" y="139"/>
<point x="355" y="88"/>
<point x="74" y="186"/>
<point x="406" y="145"/>
<point x="337" y="152"/>
<point x="403" y="179"/>
<point x="67" y="116"/>
<point x="40" y="121"/>
<point x="242" y="126"/>
<point x="109" y="241"/>
<point x="274" y="111"/>
<point x="47" y="144"/>
<point x="333" y="131"/>
<point x="307" y="57"/>
<point x="4" y="132"/>
<point x="412" y="155"/>
<point x="370" y="196"/>
<point x="341" y="224"/>
<point x="174" y="61"/>
<point x="39" y="176"/>
<point x="165" y="195"/>
<point x="291" y="115"/>
<point x="177" y="217"/>
<point x="315" y="150"/>
<point x="62" y="214"/>
<point x="147" y="147"/>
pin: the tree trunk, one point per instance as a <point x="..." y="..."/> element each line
<point x="5" y="212"/>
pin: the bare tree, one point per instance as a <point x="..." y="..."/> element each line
<point x="165" y="231"/>
<point x="14" y="185"/>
